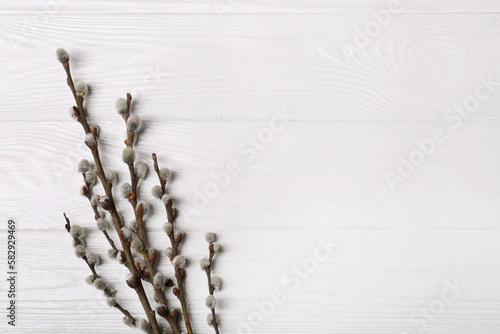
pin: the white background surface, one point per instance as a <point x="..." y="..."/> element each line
<point x="207" y="77"/>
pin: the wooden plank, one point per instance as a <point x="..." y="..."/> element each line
<point x="223" y="7"/>
<point x="420" y="66"/>
<point x="312" y="174"/>
<point x="371" y="282"/>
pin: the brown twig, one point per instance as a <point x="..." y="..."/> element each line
<point x="179" y="272"/>
<point x="211" y="288"/>
<point x="92" y="269"/>
<point x="141" y="231"/>
<point x="150" y="313"/>
<point x="89" y="194"/>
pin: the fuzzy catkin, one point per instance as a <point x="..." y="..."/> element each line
<point x="94" y="200"/>
<point x="126" y="190"/>
<point x="90" y="139"/>
<point x="83" y="166"/>
<point x="93" y="258"/>
<point x="215" y="246"/>
<point x="137" y="244"/>
<point x="210" y="237"/>
<point x="169" y="252"/>
<point x="179" y="261"/>
<point x="90" y="178"/>
<point x="210" y="319"/>
<point x="204" y="263"/>
<point x="141" y="170"/>
<point x="216" y="282"/>
<point x="80" y="251"/>
<point x="127" y="233"/>
<point x="90" y="279"/>
<point x="211" y="301"/>
<point x="128" y="155"/>
<point x="133" y="123"/>
<point x="81" y="88"/>
<point x="143" y="324"/>
<point x="159" y="280"/>
<point x="156" y="191"/>
<point x="165" y="174"/>
<point x="167" y="227"/>
<point x="100" y="283"/>
<point x="112" y="253"/>
<point x="128" y="321"/>
<point x="111" y="301"/>
<point x="101" y="224"/>
<point x="121" y="105"/>
<point x="62" y="56"/>
<point x="76" y="231"/>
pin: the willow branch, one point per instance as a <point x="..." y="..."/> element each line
<point x="141" y="231"/>
<point x="175" y="242"/>
<point x="150" y="313"/>
<point x="92" y="269"/>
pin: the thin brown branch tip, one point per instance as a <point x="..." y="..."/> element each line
<point x="128" y="240"/>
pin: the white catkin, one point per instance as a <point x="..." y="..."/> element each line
<point x="165" y="174"/>
<point x="210" y="237"/>
<point x="62" y="55"/>
<point x="179" y="261"/>
<point x="141" y="170"/>
<point x="210" y="319"/>
<point x="126" y="190"/>
<point x="94" y="127"/>
<point x="216" y="282"/>
<point x="169" y="252"/>
<point x="204" y="263"/>
<point x="102" y="224"/>
<point x="90" y="178"/>
<point x="128" y="321"/>
<point x="215" y="247"/>
<point x="121" y="105"/>
<point x="127" y="233"/>
<point x="140" y="261"/>
<point x="167" y="227"/>
<point x="112" y="253"/>
<point x="128" y="155"/>
<point x="143" y="324"/>
<point x="90" y="139"/>
<point x="72" y="113"/>
<point x="133" y="123"/>
<point x="110" y="176"/>
<point x="81" y="88"/>
<point x="156" y="191"/>
<point x="89" y="279"/>
<point x="100" y="283"/>
<point x="83" y="166"/>
<point x="101" y="214"/>
<point x="111" y="301"/>
<point x="165" y="198"/>
<point x="137" y="244"/>
<point x="94" y="200"/>
<point x="110" y="291"/>
<point x="93" y="258"/>
<point x="133" y="225"/>
<point x="159" y="280"/>
<point x="211" y="301"/>
<point x="76" y="231"/>
<point x="80" y="251"/>
<point x="145" y="206"/>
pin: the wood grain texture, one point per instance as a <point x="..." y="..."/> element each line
<point x="283" y="135"/>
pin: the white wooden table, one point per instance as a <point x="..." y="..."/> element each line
<point x="372" y="126"/>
